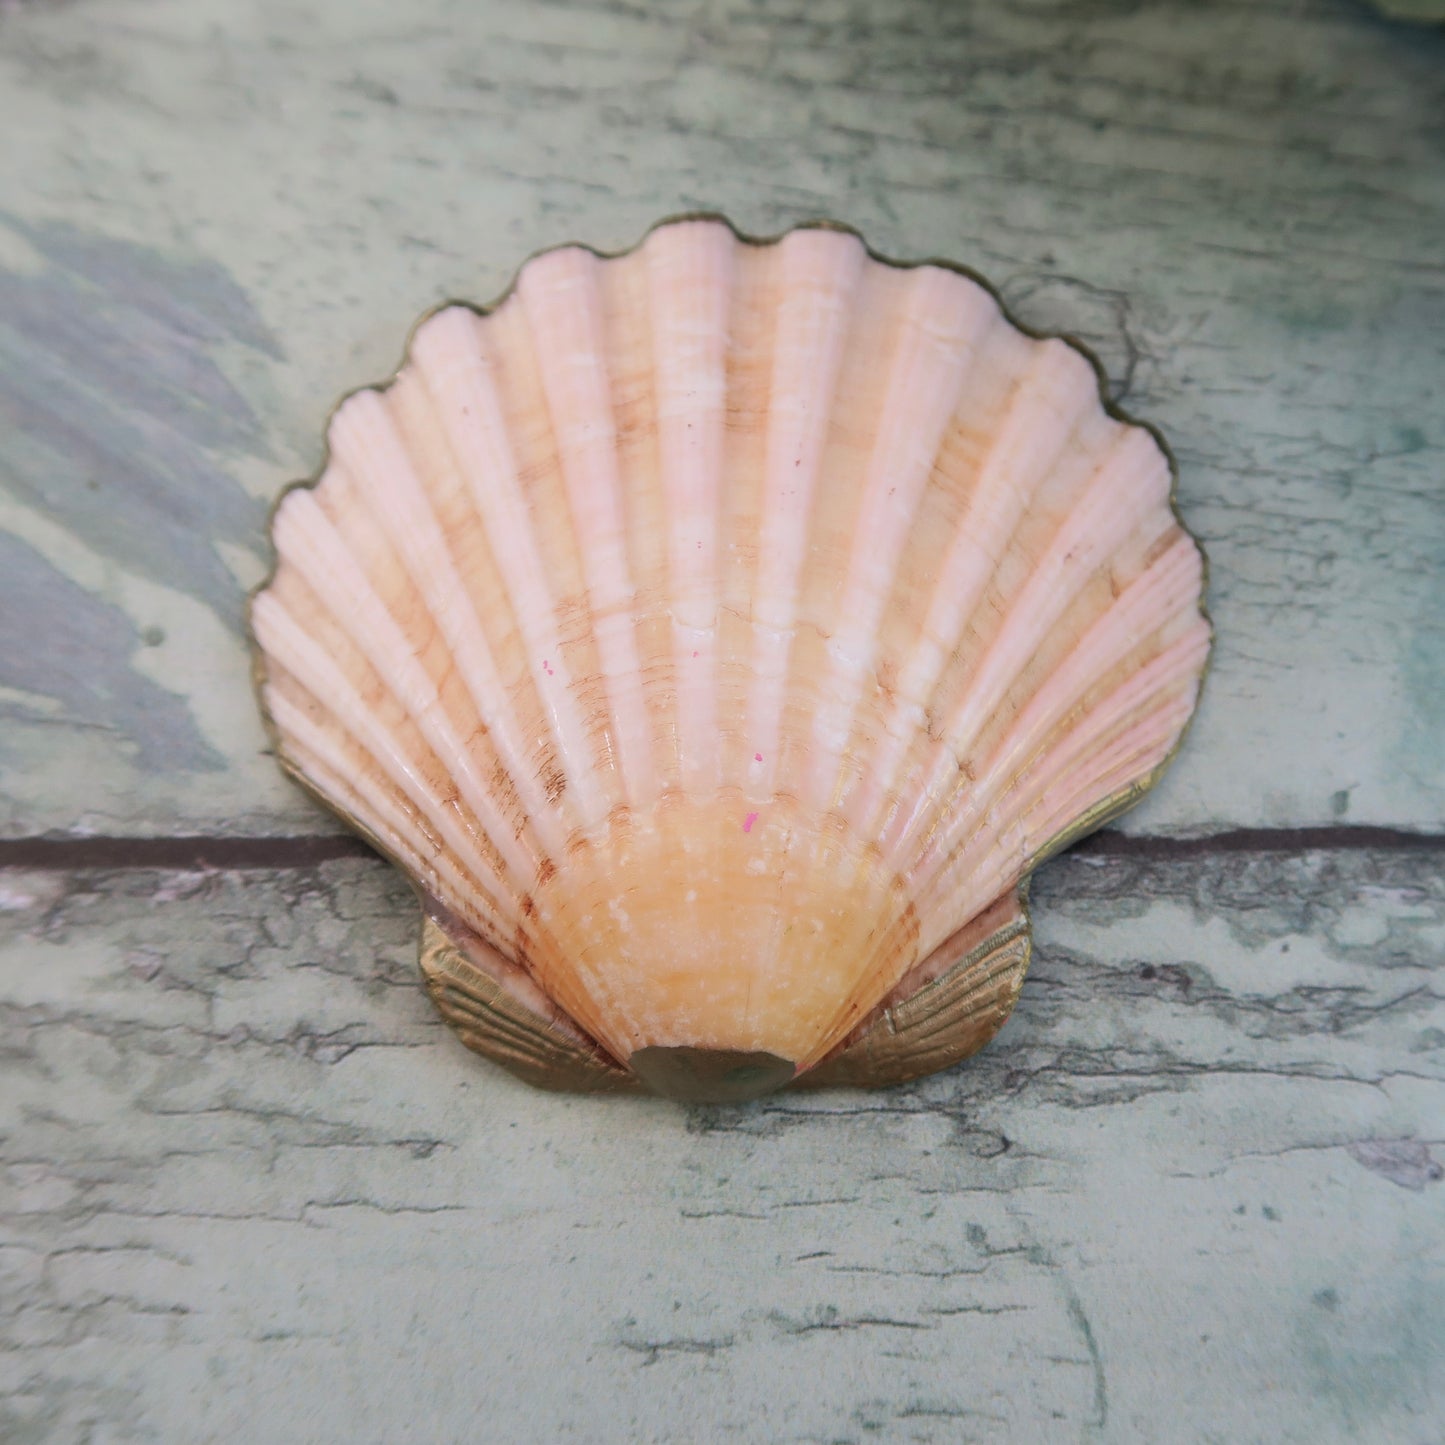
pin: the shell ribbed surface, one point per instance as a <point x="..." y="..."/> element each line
<point x="717" y="629"/>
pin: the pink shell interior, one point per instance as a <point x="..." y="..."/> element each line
<point x="719" y="628"/>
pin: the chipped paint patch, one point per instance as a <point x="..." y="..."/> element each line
<point x="1406" y="1162"/>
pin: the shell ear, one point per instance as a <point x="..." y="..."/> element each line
<point x="491" y="1021"/>
<point x="943" y="1010"/>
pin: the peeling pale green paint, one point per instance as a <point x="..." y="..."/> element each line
<point x="1368" y="1352"/>
<point x="1421" y="751"/>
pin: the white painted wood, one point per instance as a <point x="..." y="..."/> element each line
<point x="218" y="218"/>
<point x="252" y="1190"/>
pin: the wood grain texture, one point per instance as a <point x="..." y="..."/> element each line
<point x="251" y="1188"/>
<point x="221" y="218"/>
<point x="254" y="1190"/>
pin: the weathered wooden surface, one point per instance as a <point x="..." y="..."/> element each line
<point x="254" y="1191"/>
<point x="251" y="1190"/>
<point x="215" y="218"/>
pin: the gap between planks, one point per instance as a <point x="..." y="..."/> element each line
<point x="69" y="854"/>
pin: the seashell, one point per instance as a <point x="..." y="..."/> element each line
<point x="718" y="634"/>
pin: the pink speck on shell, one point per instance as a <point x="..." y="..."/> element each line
<point x="749" y="821"/>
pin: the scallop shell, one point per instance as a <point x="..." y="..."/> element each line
<point x="718" y="634"/>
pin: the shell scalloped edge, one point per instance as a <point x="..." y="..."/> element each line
<point x="715" y="631"/>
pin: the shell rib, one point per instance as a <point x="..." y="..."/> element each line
<point x="716" y="632"/>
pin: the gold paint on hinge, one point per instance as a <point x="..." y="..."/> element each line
<point x="941" y="1023"/>
<point x="491" y="1022"/>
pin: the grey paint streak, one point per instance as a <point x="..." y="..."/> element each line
<point x="113" y="408"/>
<point x="59" y="641"/>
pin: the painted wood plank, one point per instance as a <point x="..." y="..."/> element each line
<point x="253" y="1190"/>
<point x="216" y="220"/>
